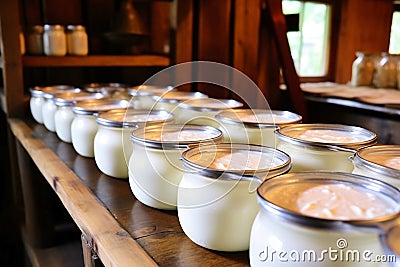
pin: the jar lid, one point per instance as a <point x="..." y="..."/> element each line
<point x="240" y="159"/>
<point x="141" y="90"/>
<point x="178" y="96"/>
<point x="327" y="199"/>
<point x="259" y="118"/>
<point x="124" y="118"/>
<point x="50" y="91"/>
<point x="76" y="28"/>
<point x="35" y="29"/>
<point x="53" y="27"/>
<point x="210" y="104"/>
<point x="380" y="159"/>
<point x="175" y="136"/>
<point x="68" y="98"/>
<point x="94" y="106"/>
<point x="105" y="88"/>
<point x="327" y="136"/>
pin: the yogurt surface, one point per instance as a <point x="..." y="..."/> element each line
<point x="333" y="201"/>
<point x="329" y="136"/>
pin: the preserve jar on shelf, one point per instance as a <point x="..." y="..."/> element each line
<point x="77" y="40"/>
<point x="54" y="40"/>
<point x="34" y="40"/>
<point x="362" y="71"/>
<point x="385" y="75"/>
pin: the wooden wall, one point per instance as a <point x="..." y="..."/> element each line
<point x="232" y="32"/>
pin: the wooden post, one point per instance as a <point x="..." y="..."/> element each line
<point x="39" y="226"/>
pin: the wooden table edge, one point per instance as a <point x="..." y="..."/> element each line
<point x="113" y="244"/>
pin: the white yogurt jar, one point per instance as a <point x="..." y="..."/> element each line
<point x="380" y="162"/>
<point x="323" y="146"/>
<point x="155" y="168"/>
<point x="170" y="100"/>
<point x="49" y="107"/>
<point x="112" y="145"/>
<point x="64" y="116"/>
<point x="142" y="95"/>
<point x="322" y="219"/>
<point x="217" y="194"/>
<point x="202" y="111"/>
<point x="84" y="126"/>
<point x="37" y="99"/>
<point x="254" y="126"/>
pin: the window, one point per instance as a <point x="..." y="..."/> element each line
<point x="394" y="47"/>
<point x="310" y="45"/>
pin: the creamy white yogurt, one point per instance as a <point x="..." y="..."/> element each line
<point x="341" y="202"/>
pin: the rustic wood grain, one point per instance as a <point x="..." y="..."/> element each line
<point x="87" y="194"/>
<point x="113" y="244"/>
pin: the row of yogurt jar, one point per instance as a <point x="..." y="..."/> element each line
<point x="238" y="196"/>
<point x="154" y="182"/>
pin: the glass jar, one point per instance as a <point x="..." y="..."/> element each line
<point x="84" y="126"/>
<point x="35" y="40"/>
<point x="169" y="101"/>
<point x="254" y="126"/>
<point x="49" y="108"/>
<point x="362" y="69"/>
<point x="54" y="40"/>
<point x="112" y="145"/>
<point x="217" y="194"/>
<point x="323" y="146"/>
<point x="77" y="40"/>
<point x="36" y="103"/>
<point x="385" y="72"/>
<point x="202" y="111"/>
<point x="380" y="162"/>
<point x="343" y="230"/>
<point x="64" y="116"/>
<point x="142" y="95"/>
<point x="155" y="166"/>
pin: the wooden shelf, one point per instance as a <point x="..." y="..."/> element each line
<point x="121" y="230"/>
<point x="68" y="254"/>
<point x="96" y="61"/>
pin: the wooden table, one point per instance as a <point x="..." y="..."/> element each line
<point x="115" y="226"/>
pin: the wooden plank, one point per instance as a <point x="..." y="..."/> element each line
<point x="112" y="243"/>
<point x="160" y="27"/>
<point x="364" y="26"/>
<point x="182" y="25"/>
<point x="12" y="66"/>
<point x="214" y="40"/>
<point x="246" y="57"/>
<point x="96" y="61"/>
<point x="157" y="231"/>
